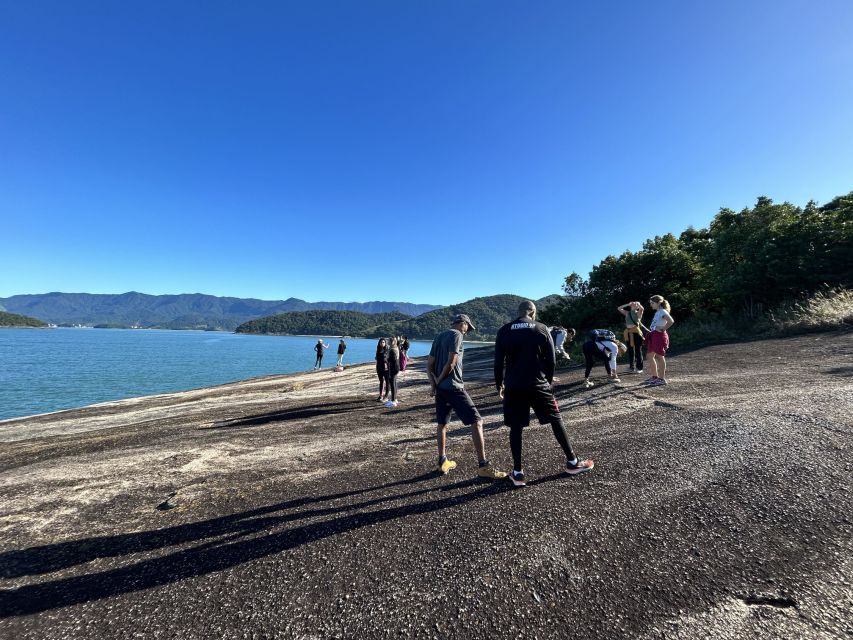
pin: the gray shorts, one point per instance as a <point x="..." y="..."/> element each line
<point x="460" y="402"/>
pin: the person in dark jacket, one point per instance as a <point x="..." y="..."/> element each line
<point x="382" y="369"/>
<point x="393" y="371"/>
<point x="342" y="347"/>
<point x="320" y="349"/>
<point x="524" y="377"/>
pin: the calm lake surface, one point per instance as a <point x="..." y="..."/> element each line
<point x="45" y="370"/>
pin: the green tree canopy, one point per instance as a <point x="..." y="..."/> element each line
<point x="744" y="262"/>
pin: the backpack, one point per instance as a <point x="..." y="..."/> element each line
<point x="600" y="335"/>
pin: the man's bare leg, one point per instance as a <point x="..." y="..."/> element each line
<point x="441" y="436"/>
<point x="479" y="443"/>
<point x="444" y="465"/>
<point x="486" y="469"/>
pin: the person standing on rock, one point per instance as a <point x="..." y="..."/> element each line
<point x="342" y="347"/>
<point x="320" y="348"/>
<point x="524" y="378"/>
<point x="382" y="369"/>
<point x="393" y="372"/>
<point x="633" y="335"/>
<point x="657" y="341"/>
<point x="444" y="369"/>
<point x="404" y="353"/>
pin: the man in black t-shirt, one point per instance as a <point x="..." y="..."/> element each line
<point x="524" y="377"/>
<point x="342" y="347"/>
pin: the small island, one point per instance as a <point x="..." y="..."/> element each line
<point x="15" y="320"/>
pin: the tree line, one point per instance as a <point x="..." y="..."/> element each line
<point x="333" y="323"/>
<point x="744" y="264"/>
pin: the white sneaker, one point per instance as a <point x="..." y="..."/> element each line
<point x="588" y="384"/>
<point x="390" y="404"/>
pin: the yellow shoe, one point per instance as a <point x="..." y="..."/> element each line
<point x="490" y="472"/>
<point x="447" y="466"/>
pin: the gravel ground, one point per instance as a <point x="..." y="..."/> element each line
<point x="299" y="507"/>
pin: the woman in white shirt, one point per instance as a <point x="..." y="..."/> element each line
<point x="657" y="341"/>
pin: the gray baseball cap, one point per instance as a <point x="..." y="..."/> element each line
<point x="461" y="317"/>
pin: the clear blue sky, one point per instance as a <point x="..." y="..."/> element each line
<point x="418" y="151"/>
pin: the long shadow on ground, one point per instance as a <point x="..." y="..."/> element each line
<point x="223" y="545"/>
<point x="303" y="412"/>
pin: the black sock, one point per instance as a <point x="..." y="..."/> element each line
<point x="441" y="459"/>
<point x="484" y="463"/>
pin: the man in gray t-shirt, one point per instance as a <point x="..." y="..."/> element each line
<point x="444" y="368"/>
<point x="446" y="344"/>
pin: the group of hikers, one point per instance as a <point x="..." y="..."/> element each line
<point x="392" y="357"/>
<point x="524" y="364"/>
<point x="602" y="344"/>
<point x="526" y="353"/>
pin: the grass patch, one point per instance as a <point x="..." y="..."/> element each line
<point x="830" y="309"/>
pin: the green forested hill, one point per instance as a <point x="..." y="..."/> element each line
<point x="15" y="320"/>
<point x="334" y="323"/>
<point x="488" y="315"/>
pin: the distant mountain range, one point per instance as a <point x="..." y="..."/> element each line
<point x="184" y="311"/>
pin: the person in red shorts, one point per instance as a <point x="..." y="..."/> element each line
<point x="657" y="341"/>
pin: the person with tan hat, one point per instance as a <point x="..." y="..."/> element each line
<point x="444" y="368"/>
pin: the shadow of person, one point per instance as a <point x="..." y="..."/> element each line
<point x="301" y="413"/>
<point x="61" y="555"/>
<point x="225" y="542"/>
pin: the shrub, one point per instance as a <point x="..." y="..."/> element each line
<point x="827" y="309"/>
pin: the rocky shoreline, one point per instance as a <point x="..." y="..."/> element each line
<point x="296" y="506"/>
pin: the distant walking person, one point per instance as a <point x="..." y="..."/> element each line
<point x="524" y="377"/>
<point x="657" y="341"/>
<point x="342" y="347"/>
<point x="320" y="348"/>
<point x="444" y="368"/>
<point x="393" y="371"/>
<point x="382" y="369"/>
<point x="633" y="335"/>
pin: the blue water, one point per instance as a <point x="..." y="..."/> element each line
<point x="45" y="370"/>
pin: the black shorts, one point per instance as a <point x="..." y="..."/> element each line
<point x="518" y="402"/>
<point x="460" y="402"/>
